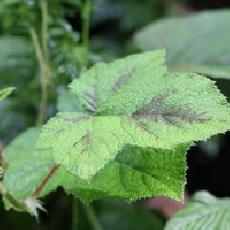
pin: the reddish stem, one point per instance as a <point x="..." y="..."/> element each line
<point x="39" y="189"/>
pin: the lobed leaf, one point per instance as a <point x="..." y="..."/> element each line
<point x="133" y="101"/>
<point x="135" y="172"/>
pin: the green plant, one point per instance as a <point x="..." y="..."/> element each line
<point x="165" y="117"/>
<point x="204" y="211"/>
<point x="204" y="51"/>
<point x="122" y="129"/>
<point x="5" y="92"/>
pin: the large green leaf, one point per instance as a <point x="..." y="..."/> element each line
<point x="133" y="101"/>
<point x="5" y="92"/>
<point x="15" y="59"/>
<point x="198" y="43"/>
<point x="204" y="211"/>
<point x="134" y="173"/>
<point x="138" y="172"/>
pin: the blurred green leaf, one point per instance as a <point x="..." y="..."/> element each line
<point x="69" y="102"/>
<point x="204" y="211"/>
<point x="5" y="92"/>
<point x="16" y="62"/>
<point x="115" y="215"/>
<point x="27" y="165"/>
<point x="197" y="43"/>
<point x="12" y="120"/>
<point x="130" y="14"/>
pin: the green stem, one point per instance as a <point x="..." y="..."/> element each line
<point x="92" y="217"/>
<point x="85" y="32"/>
<point x="44" y="30"/>
<point x="75" y="213"/>
<point x="16" y="204"/>
<point x="45" y="76"/>
<point x="42" y="55"/>
<point x="37" y="47"/>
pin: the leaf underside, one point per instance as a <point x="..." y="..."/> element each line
<point x="195" y="43"/>
<point x="133" y="101"/>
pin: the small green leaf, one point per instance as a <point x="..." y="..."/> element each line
<point x="6" y="92"/>
<point x="133" y="101"/>
<point x="135" y="172"/>
<point x="197" y="43"/>
<point x="204" y="211"/>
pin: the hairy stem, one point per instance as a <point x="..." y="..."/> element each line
<point x="39" y="189"/>
<point x="85" y="32"/>
<point x="92" y="217"/>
